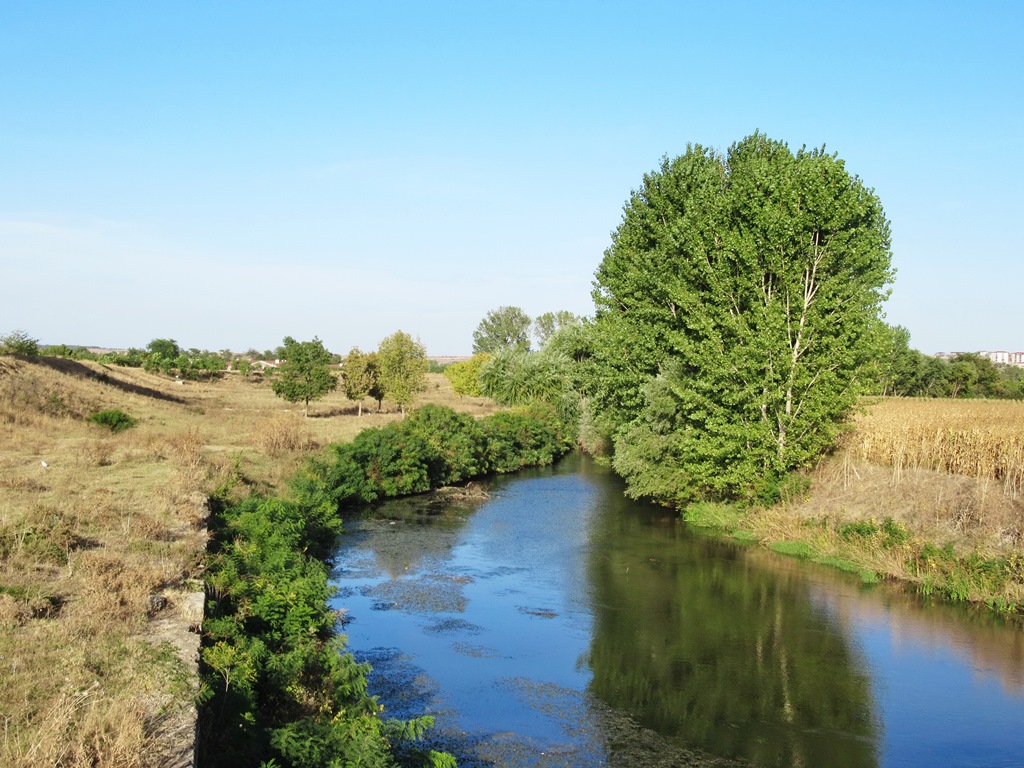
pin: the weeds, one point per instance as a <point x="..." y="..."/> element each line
<point x="281" y="434"/>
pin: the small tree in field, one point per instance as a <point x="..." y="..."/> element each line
<point x="359" y="375"/>
<point x="19" y="343"/>
<point x="402" y="364"/>
<point x="305" y="374"/>
<point x="502" y="327"/>
<point x="465" y="375"/>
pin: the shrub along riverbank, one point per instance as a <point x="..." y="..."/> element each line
<point x="277" y="683"/>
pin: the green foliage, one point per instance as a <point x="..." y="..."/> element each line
<point x="131" y="358"/>
<point x="402" y="368"/>
<point x="434" y="446"/>
<point x="548" y="324"/>
<point x="166" y="348"/>
<point x="860" y="529"/>
<point x="63" y="350"/>
<point x="455" y="443"/>
<point x="277" y="682"/>
<point x="305" y="374"/>
<point x="894" y="534"/>
<point x="19" y="343"/>
<point x="114" y="419"/>
<point x="359" y="375"/>
<point x="465" y="375"/>
<point x="517" y="440"/>
<point x="502" y="328"/>
<point x="903" y="371"/>
<point x="516" y="377"/>
<point x="736" y="316"/>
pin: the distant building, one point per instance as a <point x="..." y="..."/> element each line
<point x="999" y="357"/>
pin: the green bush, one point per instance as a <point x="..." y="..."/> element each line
<point x="19" y="343"/>
<point x="276" y="680"/>
<point x="434" y="446"/>
<point x="455" y="442"/>
<point x="515" y="441"/>
<point x="860" y="529"/>
<point x="114" y="419"/>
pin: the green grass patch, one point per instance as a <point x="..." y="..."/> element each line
<point x="799" y="549"/>
<point x="713" y="515"/>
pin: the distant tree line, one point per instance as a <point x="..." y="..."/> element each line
<point x="906" y="372"/>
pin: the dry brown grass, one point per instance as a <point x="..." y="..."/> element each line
<point x="981" y="439"/>
<point x="113" y="519"/>
<point x="949" y="470"/>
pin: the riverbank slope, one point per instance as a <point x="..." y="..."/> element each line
<point x="923" y="491"/>
<point x="102" y="540"/>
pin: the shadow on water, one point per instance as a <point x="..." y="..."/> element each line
<point x="557" y="623"/>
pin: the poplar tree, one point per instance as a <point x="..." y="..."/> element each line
<point x="736" y="309"/>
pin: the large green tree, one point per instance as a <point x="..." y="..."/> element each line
<point x="501" y="328"/>
<point x="735" y="313"/>
<point x="402" y="368"/>
<point x="305" y="374"/>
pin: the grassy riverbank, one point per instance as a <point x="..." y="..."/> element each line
<point x="103" y="535"/>
<point x="927" y="492"/>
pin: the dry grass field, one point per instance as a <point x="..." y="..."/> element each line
<point x="923" y="491"/>
<point x="102" y="538"/>
<point x="950" y="469"/>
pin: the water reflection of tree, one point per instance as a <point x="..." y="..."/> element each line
<point x="700" y="646"/>
<point x="438" y="520"/>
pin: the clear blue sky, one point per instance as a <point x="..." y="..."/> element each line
<point x="226" y="174"/>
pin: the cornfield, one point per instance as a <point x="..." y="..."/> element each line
<point x="981" y="439"/>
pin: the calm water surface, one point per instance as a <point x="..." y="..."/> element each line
<point x="557" y="623"/>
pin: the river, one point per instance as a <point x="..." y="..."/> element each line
<point x="557" y="623"/>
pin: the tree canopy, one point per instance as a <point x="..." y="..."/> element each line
<point x="548" y="324"/>
<point x="19" y="343"/>
<point x="359" y="375"/>
<point x="166" y="348"/>
<point x="402" y="368"/>
<point x="736" y="310"/>
<point x="305" y="374"/>
<point x="465" y="375"/>
<point x="502" y="328"/>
